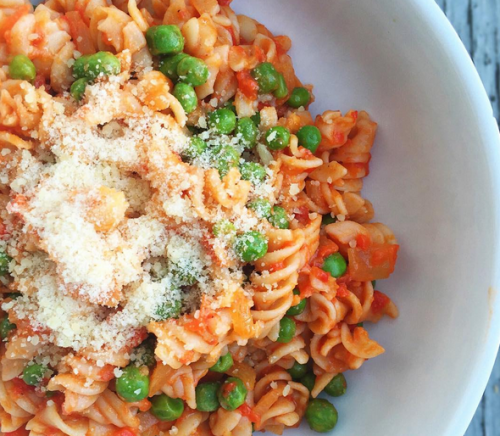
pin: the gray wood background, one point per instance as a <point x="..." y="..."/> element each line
<point x="478" y="24"/>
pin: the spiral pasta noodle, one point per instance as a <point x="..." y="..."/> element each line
<point x="184" y="247"/>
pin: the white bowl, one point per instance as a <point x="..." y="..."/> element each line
<point x="435" y="181"/>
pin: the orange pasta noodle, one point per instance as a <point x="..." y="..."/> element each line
<point x="275" y="278"/>
<point x="82" y="382"/>
<point x="279" y="401"/>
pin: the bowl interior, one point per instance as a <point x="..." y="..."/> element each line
<point x="433" y="181"/>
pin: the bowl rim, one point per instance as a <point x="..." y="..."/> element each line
<point x="482" y="365"/>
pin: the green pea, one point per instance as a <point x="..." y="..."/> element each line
<point x="374" y="283"/>
<point x="250" y="246"/>
<point x="309" y="380"/>
<point x="256" y="119"/>
<point x="298" y="308"/>
<point x="224" y="363"/>
<point x="224" y="157"/>
<point x="168" y="310"/>
<point x="224" y="229"/>
<point x="261" y="207"/>
<point x="337" y="386"/>
<point x="187" y="97"/>
<point x="359" y="324"/>
<point x="21" y="68"/>
<point x="195" y="149"/>
<point x="266" y="76"/>
<point x="132" y="385"/>
<point x="78" y="88"/>
<point x="253" y="172"/>
<point x="33" y="374"/>
<point x="247" y="131"/>
<point x="299" y="97"/>
<point x="287" y="330"/>
<point x="277" y="138"/>
<point x="184" y="274"/>
<point x="298" y="370"/>
<point x="232" y="393"/>
<point x="222" y="121"/>
<point x="309" y="137"/>
<point x="321" y="415"/>
<point x="164" y="39"/>
<point x="279" y="218"/>
<point x="5" y="260"/>
<point x="166" y="408"/>
<point x="335" y="264"/>
<point x="328" y="219"/>
<point x="193" y="71"/>
<point x="92" y="66"/>
<point x="206" y="396"/>
<point x="5" y="327"/>
<point x="282" y="90"/>
<point x="168" y="65"/>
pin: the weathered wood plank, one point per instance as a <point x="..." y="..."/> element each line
<point x="460" y="14"/>
<point x="484" y="17"/>
<point x="478" y="425"/>
<point x="441" y="4"/>
<point x="492" y="403"/>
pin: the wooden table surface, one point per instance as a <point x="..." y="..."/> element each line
<point x="478" y="24"/>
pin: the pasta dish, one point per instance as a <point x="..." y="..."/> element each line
<point x="184" y="248"/>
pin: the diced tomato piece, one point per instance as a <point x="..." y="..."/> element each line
<point x="320" y="274"/>
<point x="363" y="242"/>
<point x="380" y="300"/>
<point x="247" y="411"/>
<point x="342" y="291"/>
<point x="247" y="84"/>
<point x="125" y="432"/>
<point x="374" y="263"/>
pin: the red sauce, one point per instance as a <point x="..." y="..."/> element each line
<point x="302" y="215"/>
<point x="227" y="388"/>
<point x="106" y="373"/>
<point x="124" y="432"/>
<point x="380" y="300"/>
<point x="224" y="2"/>
<point x="18" y="432"/>
<point x="276" y="266"/>
<point x="247" y="84"/>
<point x="9" y="22"/>
<point x="324" y="251"/>
<point x="19" y="388"/>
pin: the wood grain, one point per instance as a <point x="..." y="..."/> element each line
<point x="477" y="22"/>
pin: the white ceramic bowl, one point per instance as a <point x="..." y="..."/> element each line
<point x="435" y="181"/>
